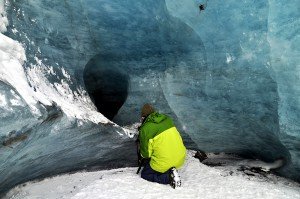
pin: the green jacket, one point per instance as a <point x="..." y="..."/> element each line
<point x="160" y="141"/>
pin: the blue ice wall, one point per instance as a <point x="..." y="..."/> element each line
<point x="284" y="40"/>
<point x="255" y="47"/>
<point x="239" y="96"/>
<point x="220" y="72"/>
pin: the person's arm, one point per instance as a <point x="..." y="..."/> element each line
<point x="144" y="140"/>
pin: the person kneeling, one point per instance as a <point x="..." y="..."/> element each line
<point x="161" y="143"/>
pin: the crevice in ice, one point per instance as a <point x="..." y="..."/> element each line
<point x="107" y="85"/>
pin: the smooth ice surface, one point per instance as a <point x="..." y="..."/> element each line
<point x="198" y="181"/>
<point x="253" y="67"/>
<point x="228" y="75"/>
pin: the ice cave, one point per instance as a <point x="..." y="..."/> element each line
<point x="74" y="75"/>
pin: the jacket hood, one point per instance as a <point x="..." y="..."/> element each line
<point x="156" y="117"/>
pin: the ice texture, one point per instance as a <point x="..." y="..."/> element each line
<point x="254" y="49"/>
<point x="228" y="74"/>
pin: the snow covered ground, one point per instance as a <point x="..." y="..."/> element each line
<point x="198" y="181"/>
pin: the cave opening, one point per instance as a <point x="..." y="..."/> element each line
<point x="107" y="84"/>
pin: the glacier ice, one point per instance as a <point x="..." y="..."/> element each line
<point x="227" y="74"/>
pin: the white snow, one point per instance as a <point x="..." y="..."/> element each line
<point x="74" y="104"/>
<point x="229" y="58"/>
<point x="12" y="57"/>
<point x="198" y="181"/>
<point x="3" y="18"/>
<point x="3" y="101"/>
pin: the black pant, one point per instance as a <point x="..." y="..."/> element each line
<point x="154" y="176"/>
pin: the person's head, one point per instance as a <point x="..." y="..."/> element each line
<point x="147" y="109"/>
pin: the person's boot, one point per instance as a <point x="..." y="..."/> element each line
<point x="174" y="178"/>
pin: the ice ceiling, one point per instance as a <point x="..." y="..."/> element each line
<point x="229" y="75"/>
